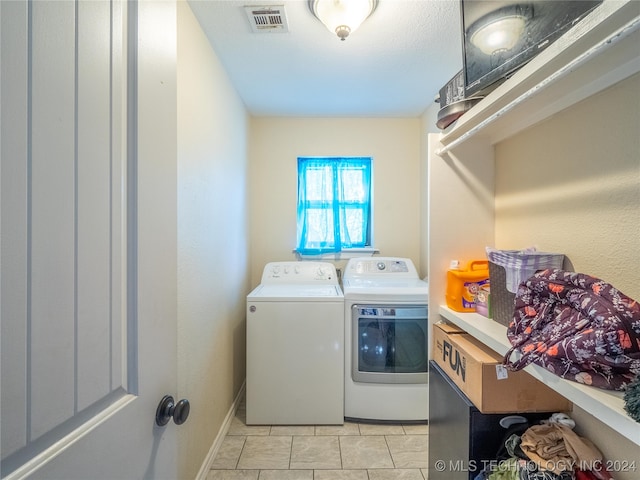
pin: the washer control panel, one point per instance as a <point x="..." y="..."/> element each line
<point x="300" y="272"/>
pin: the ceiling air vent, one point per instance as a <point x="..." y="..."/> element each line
<point x="267" y="18"/>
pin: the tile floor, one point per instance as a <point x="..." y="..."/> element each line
<point x="354" y="451"/>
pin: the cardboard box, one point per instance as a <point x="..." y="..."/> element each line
<point x="448" y="328"/>
<point x="479" y="373"/>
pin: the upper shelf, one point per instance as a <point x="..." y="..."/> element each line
<point x="598" y="52"/>
<point x="606" y="405"/>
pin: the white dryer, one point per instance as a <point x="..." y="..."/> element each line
<point x="295" y="346"/>
<point x="386" y="340"/>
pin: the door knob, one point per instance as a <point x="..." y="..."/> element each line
<point x="168" y="409"/>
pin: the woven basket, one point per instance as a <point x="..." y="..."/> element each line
<point x="523" y="264"/>
<point x="502" y="300"/>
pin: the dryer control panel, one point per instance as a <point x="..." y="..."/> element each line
<point x="299" y="273"/>
<point x="377" y="267"/>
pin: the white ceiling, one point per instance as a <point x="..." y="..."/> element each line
<point x="392" y="66"/>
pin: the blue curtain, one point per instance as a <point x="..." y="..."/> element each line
<point x="334" y="204"/>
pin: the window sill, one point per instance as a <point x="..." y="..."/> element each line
<point x="343" y="255"/>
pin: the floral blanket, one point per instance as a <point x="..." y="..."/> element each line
<point x="578" y="327"/>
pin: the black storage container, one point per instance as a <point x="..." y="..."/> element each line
<point x="462" y="440"/>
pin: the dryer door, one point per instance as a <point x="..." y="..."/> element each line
<point x="389" y="344"/>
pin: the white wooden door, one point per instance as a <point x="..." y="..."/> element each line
<point x="88" y="250"/>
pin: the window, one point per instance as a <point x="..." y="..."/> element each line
<point x="334" y="204"/>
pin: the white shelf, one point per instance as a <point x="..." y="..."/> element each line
<point x="608" y="406"/>
<point x="598" y="52"/>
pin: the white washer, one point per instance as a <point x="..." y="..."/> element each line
<point x="386" y="340"/>
<point x="295" y="346"/>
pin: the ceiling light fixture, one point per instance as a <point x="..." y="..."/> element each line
<point x="342" y="16"/>
<point x="500" y="30"/>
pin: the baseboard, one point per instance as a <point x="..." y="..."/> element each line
<point x="222" y="433"/>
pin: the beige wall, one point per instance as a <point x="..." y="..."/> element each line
<point x="213" y="268"/>
<point x="276" y="143"/>
<point x="578" y="193"/>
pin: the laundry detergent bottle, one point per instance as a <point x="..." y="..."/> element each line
<point x="463" y="284"/>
